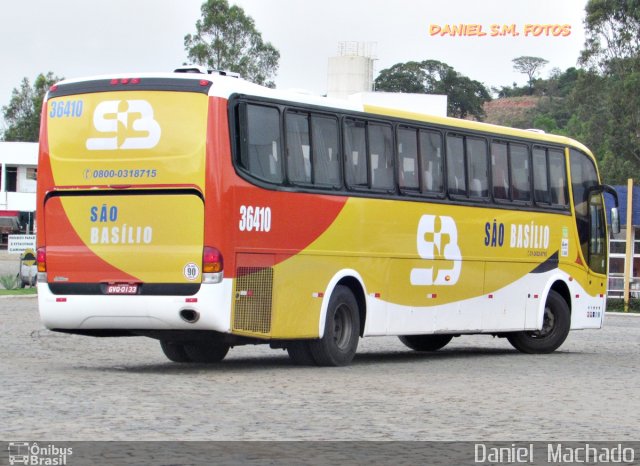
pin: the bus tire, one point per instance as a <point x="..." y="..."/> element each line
<point x="210" y="352"/>
<point x="555" y="328"/>
<point x="174" y="351"/>
<point x="426" y="342"/>
<point x="300" y="353"/>
<point x="341" y="330"/>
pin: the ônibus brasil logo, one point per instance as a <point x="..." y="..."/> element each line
<point x="34" y="454"/>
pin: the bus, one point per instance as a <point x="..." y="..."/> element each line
<point x="208" y="212"/>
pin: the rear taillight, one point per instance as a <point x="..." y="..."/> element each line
<point x="41" y="259"/>
<point x="212" y="261"/>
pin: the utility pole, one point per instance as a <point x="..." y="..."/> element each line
<point x="628" y="261"/>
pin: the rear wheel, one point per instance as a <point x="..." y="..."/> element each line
<point x="555" y="328"/>
<point x="341" y="331"/>
<point x="300" y="353"/>
<point x="174" y="351"/>
<point x="210" y="352"/>
<point x="426" y="342"/>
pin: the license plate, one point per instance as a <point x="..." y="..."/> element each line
<point x="122" y="288"/>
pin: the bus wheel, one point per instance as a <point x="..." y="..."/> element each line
<point x="300" y="353"/>
<point x="209" y="352"/>
<point x="341" y="331"/>
<point x="554" y="331"/>
<point x="174" y="351"/>
<point x="426" y="342"/>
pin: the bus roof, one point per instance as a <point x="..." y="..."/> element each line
<point x="225" y="86"/>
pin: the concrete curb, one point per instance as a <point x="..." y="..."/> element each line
<point x="18" y="296"/>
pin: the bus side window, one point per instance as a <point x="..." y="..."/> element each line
<point x="381" y="156"/>
<point x="540" y="182"/>
<point x="298" y="149"/>
<point x="408" y="159"/>
<point x="477" y="168"/>
<point x="558" y="175"/>
<point x="500" y="171"/>
<point x="326" y="166"/>
<point x="261" y="142"/>
<point x="520" y="177"/>
<point x="355" y="149"/>
<point x="431" y="162"/>
<point x="457" y="185"/>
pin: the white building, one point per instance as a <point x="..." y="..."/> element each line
<point x="351" y="71"/>
<point x="19" y="168"/>
<point x="350" y="76"/>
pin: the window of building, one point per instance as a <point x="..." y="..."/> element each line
<point x="32" y="173"/>
<point x="11" y="179"/>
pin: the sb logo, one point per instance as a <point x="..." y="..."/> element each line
<point x="437" y="242"/>
<point x="129" y="123"/>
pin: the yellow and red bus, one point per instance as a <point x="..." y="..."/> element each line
<point x="208" y="212"/>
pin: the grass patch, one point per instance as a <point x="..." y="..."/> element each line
<point x="18" y="292"/>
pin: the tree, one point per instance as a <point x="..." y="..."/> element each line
<point x="227" y="39"/>
<point x="612" y="30"/>
<point x="529" y="66"/>
<point x="465" y="96"/>
<point x="402" y="77"/>
<point x="22" y="115"/>
<point x="606" y="98"/>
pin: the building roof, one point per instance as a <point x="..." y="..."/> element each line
<point x="19" y="153"/>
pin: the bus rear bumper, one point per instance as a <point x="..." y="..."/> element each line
<point x="212" y="305"/>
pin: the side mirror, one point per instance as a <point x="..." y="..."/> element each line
<point x="615" y="220"/>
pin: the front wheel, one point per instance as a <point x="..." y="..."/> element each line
<point x="555" y="328"/>
<point x="341" y="331"/>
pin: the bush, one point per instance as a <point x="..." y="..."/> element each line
<point x="617" y="305"/>
<point x="9" y="282"/>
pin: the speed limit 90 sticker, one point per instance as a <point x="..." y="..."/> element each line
<point x="191" y="271"/>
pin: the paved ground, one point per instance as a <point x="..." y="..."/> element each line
<point x="62" y="387"/>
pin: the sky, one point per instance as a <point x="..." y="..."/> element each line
<point x="75" y="38"/>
